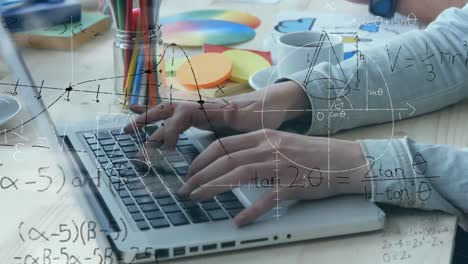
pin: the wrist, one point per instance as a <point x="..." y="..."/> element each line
<point x="298" y="101"/>
<point x="350" y="179"/>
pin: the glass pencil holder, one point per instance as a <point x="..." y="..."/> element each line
<point x="137" y="50"/>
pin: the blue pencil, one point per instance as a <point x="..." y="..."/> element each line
<point x="138" y="73"/>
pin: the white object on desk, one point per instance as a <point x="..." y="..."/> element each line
<point x="263" y="78"/>
<point x="299" y="51"/>
<point x="9" y="107"/>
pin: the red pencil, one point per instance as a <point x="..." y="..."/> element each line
<point x="129" y="27"/>
<point x="150" y="81"/>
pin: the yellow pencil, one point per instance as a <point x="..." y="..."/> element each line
<point x="133" y="62"/>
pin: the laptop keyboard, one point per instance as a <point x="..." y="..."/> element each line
<point x="150" y="193"/>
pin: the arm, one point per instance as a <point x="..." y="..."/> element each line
<point x="429" y="177"/>
<point x="425" y="10"/>
<point x="429" y="73"/>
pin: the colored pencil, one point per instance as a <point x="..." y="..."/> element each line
<point x="138" y="74"/>
<point x="148" y="25"/>
<point x="120" y="14"/>
<point x="133" y="62"/>
<point x="130" y="28"/>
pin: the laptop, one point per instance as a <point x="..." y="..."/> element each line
<point x="145" y="220"/>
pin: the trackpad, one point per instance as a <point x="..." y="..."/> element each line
<point x="248" y="195"/>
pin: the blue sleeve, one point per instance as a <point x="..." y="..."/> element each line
<point x="415" y="73"/>
<point x="428" y="177"/>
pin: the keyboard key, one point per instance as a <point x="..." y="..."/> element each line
<point x="141" y="136"/>
<point x="124" y="193"/>
<point x="174" y="185"/>
<point x="163" y="168"/>
<point x="180" y="164"/>
<point x="142" y="225"/>
<point x="150" y="129"/>
<point x="197" y="215"/>
<point x="116" y="154"/>
<point x="144" y="199"/>
<point x="178" y="218"/>
<point x="132" y="208"/>
<point x="149" y="207"/>
<point x="211" y="200"/>
<point x="109" y="148"/>
<point x="232" y="205"/>
<point x="159" y="223"/>
<point x="88" y="135"/>
<point x="119" y="186"/>
<point x="217" y="215"/>
<point x="132" y="155"/>
<point x="190" y="157"/>
<point x="210" y="206"/>
<point x="188" y="149"/>
<point x="182" y="136"/>
<point x="226" y="197"/>
<point x="128" y="201"/>
<point x="137" y="216"/>
<point x="122" y="137"/>
<point x="154" y="214"/>
<point x="160" y="193"/>
<point x="174" y="158"/>
<point x="188" y="204"/>
<point x="184" y="142"/>
<point x="165" y="201"/>
<point x="128" y="173"/>
<point x="106" y="142"/>
<point x="234" y="212"/>
<point x="135" y="185"/>
<point x="103" y="160"/>
<point x="119" y="160"/>
<point x="121" y="167"/>
<point x="130" y="149"/>
<point x="180" y="198"/>
<point x="115" y="179"/>
<point x="139" y="192"/>
<point x="99" y="153"/>
<point x="117" y="131"/>
<point x="171" y="208"/>
<point x="182" y="171"/>
<point x="103" y="135"/>
<point x="111" y="171"/>
<point x="91" y="140"/>
<point x="95" y="147"/>
<point x="126" y="143"/>
<point x="155" y="186"/>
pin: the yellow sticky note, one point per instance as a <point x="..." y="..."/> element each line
<point x="245" y="64"/>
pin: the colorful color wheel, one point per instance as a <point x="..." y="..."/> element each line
<point x="198" y="33"/>
<point x="225" y="15"/>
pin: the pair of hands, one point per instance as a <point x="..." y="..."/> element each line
<point x="304" y="172"/>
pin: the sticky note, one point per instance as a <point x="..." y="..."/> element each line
<point x="245" y="64"/>
<point x="209" y="70"/>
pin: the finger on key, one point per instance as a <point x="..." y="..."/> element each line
<point x="222" y="147"/>
<point x="233" y="179"/>
<point x="138" y="109"/>
<point x="152" y="115"/>
<point x="220" y="167"/>
<point x="266" y="202"/>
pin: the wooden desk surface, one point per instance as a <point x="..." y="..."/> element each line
<point x="409" y="236"/>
